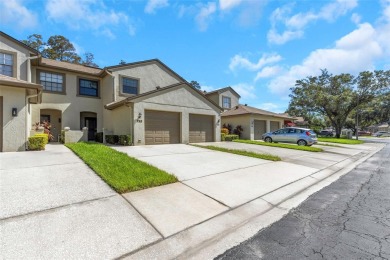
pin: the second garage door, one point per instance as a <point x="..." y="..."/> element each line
<point x="201" y="128"/>
<point x="162" y="127"/>
<point x="274" y="125"/>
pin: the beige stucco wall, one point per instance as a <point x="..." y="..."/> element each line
<point x="20" y="56"/>
<point x="122" y="121"/>
<point x="70" y="104"/>
<point x="243" y="120"/>
<point x="182" y="100"/>
<point x="14" y="128"/>
<point x="247" y="123"/>
<point x="227" y="93"/>
<point x="150" y="75"/>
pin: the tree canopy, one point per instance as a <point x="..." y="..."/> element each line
<point x="58" y="48"/>
<point x="337" y="96"/>
<point x="195" y="84"/>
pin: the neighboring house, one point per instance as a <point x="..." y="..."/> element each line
<point x="255" y="122"/>
<point x="227" y="98"/>
<point x="145" y="99"/>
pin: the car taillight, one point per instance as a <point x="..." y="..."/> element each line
<point x="307" y="133"/>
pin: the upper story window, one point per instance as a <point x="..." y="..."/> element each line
<point x="89" y="87"/>
<point x="130" y="86"/>
<point x="6" y="64"/>
<point x="52" y="81"/>
<point x="226" y="102"/>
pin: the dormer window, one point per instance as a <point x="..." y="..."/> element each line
<point x="6" y="64"/>
<point x="226" y="102"/>
<point x="130" y="86"/>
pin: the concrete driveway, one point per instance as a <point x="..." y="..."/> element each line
<point x="54" y="206"/>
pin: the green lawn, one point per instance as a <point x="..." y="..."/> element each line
<point x="288" y="146"/>
<point x="242" y="152"/>
<point x="117" y="169"/>
<point x="339" y="140"/>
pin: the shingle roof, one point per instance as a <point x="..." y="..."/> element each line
<point x="147" y="61"/>
<point x="14" y="82"/>
<point x="222" y="90"/>
<point x="244" y="110"/>
<point x="117" y="104"/>
<point x="70" y="66"/>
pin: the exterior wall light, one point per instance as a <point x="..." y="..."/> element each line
<point x="14" y="112"/>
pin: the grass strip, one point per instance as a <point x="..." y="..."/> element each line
<point x="287" y="146"/>
<point x="264" y="156"/>
<point x="117" y="169"/>
<point x="339" y="140"/>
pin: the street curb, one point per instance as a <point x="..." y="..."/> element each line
<point x="213" y="237"/>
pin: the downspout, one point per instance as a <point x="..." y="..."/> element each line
<point x="30" y="96"/>
<point x="39" y="92"/>
<point x="29" y="66"/>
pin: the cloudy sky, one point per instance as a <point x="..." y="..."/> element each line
<point x="258" y="47"/>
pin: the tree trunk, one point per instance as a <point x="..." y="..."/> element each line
<point x="338" y="131"/>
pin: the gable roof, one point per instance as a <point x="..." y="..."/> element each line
<point x="140" y="63"/>
<point x="245" y="110"/>
<point x="219" y="91"/>
<point x="19" y="43"/>
<point x="162" y="90"/>
<point x="78" y="68"/>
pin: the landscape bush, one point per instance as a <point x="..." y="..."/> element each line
<point x="223" y="136"/>
<point x="99" y="137"/>
<point x="231" y="137"/>
<point x="224" y="131"/>
<point x="125" y="139"/>
<point x="37" y="142"/>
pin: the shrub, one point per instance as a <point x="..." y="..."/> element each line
<point x="46" y="128"/>
<point x="99" y="137"/>
<point x="238" y="130"/>
<point x="45" y="136"/>
<point x="224" y="131"/>
<point x="223" y="136"/>
<point x="231" y="137"/>
<point x="228" y="127"/>
<point x="125" y="139"/>
<point x="37" y="142"/>
<point x="112" y="139"/>
<point x="62" y="137"/>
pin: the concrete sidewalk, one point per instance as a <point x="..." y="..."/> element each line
<point x="56" y="207"/>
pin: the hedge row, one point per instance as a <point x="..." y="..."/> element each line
<point x="118" y="139"/>
<point x="225" y="137"/>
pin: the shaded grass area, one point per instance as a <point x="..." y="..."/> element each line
<point x="288" y="146"/>
<point x="339" y="140"/>
<point x="117" y="169"/>
<point x="269" y="157"/>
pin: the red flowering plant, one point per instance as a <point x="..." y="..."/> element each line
<point x="46" y="128"/>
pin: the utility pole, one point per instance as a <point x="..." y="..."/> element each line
<point x="357" y="124"/>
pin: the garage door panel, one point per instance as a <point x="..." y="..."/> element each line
<point x="260" y="128"/>
<point x="162" y="127"/>
<point x="201" y="128"/>
<point x="274" y="125"/>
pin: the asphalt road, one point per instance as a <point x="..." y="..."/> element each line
<point x="349" y="219"/>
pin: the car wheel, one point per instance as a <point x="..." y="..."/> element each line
<point x="302" y="142"/>
<point x="268" y="140"/>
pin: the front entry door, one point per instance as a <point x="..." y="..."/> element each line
<point x="91" y="123"/>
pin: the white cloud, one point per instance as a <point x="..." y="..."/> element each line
<point x="295" y="24"/>
<point x="240" y="62"/>
<point x="228" y="4"/>
<point x="269" y="107"/>
<point x="353" y="53"/>
<point x="246" y="91"/>
<point x="355" y="18"/>
<point x="268" y="71"/>
<point x="15" y="13"/>
<point x="277" y="38"/>
<point x="204" y="16"/>
<point x="153" y="5"/>
<point x="86" y="14"/>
